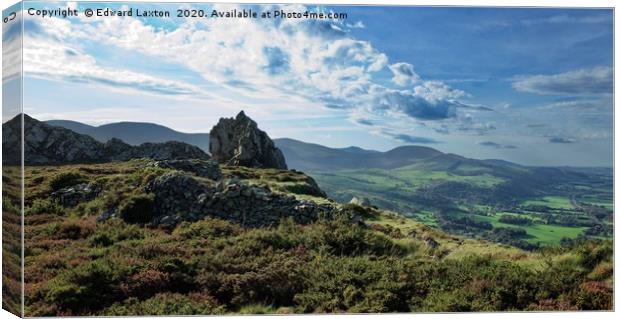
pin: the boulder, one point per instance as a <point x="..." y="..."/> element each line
<point x="238" y="142"/>
<point x="203" y="168"/>
<point x="362" y="201"/>
<point x="71" y="196"/>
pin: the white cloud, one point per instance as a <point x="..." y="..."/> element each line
<point x="49" y="59"/>
<point x="315" y="61"/>
<point x="582" y="105"/>
<point x="404" y="75"/>
<point x="597" y="80"/>
<point x="435" y="91"/>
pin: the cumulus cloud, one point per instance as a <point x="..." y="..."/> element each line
<point x="404" y="75"/>
<point x="51" y="60"/>
<point x="317" y="61"/>
<point x="48" y="55"/>
<point x="593" y="81"/>
<point x="413" y="105"/>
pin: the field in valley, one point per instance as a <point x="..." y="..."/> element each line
<point x="476" y="197"/>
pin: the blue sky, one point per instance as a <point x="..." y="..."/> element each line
<point x="533" y="86"/>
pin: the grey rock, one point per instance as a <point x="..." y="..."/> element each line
<point x="181" y="194"/>
<point x="169" y="220"/>
<point x="238" y="142"/>
<point x="72" y="196"/>
<point x="177" y="192"/>
<point x="362" y="201"/>
<point x="110" y="213"/>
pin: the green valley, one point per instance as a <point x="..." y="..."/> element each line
<point x="469" y="198"/>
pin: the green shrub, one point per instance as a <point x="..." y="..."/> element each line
<point x="167" y="304"/>
<point x="256" y="309"/>
<point x="344" y="238"/>
<point x="560" y="278"/>
<point x="113" y="231"/>
<point x="181" y="271"/>
<point x="593" y="295"/>
<point x="146" y="283"/>
<point x="137" y="209"/>
<point x="66" y="179"/>
<point x="355" y="284"/>
<point x="87" y="287"/>
<point x="207" y="229"/>
<point x="73" y="229"/>
<point x="238" y="278"/>
<point x="592" y="253"/>
<point x="475" y="283"/>
<point x="91" y="208"/>
<point x="44" y="206"/>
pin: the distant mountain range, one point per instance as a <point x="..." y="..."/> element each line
<point x="314" y="157"/>
<point x="299" y="155"/>
<point x="46" y="144"/>
<point x="135" y="133"/>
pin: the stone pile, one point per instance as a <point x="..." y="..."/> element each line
<point x="179" y="196"/>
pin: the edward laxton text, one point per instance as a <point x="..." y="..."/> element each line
<point x="131" y="13"/>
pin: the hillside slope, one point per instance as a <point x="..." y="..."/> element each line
<point x="82" y="264"/>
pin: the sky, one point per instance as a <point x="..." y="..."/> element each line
<point x="531" y="86"/>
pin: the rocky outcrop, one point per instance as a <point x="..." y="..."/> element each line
<point x="362" y="201"/>
<point x="179" y="196"/>
<point x="46" y="144"/>
<point x="72" y="196"/>
<point x="238" y="142"/>
<point x="203" y="168"/>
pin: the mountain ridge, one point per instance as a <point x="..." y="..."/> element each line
<point x="46" y="144"/>
<point x="135" y="133"/>
<point x="300" y="155"/>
